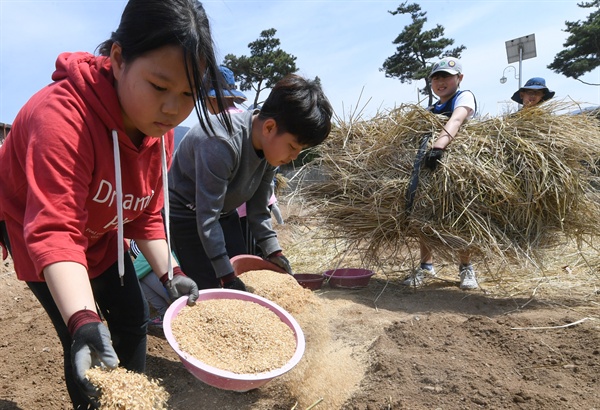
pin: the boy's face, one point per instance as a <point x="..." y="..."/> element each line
<point x="531" y="97"/>
<point x="279" y="148"/>
<point x="283" y="149"/>
<point x="444" y="84"/>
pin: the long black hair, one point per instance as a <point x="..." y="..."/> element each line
<point x="150" y="24"/>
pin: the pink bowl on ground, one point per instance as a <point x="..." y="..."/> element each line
<point x="245" y="263"/>
<point x="224" y="379"/>
<point x="350" y="278"/>
<point x="312" y="281"/>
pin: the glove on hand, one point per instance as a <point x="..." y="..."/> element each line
<point x="91" y="347"/>
<point x="432" y="158"/>
<point x="278" y="259"/>
<point x="230" y="281"/>
<point x="180" y="285"/>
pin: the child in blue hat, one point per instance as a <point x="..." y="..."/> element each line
<point x="534" y="92"/>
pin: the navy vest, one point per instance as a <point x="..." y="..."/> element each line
<point x="448" y="107"/>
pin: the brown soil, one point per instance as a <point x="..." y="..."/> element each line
<point x="528" y="343"/>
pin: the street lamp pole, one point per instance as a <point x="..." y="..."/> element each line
<point x="503" y="79"/>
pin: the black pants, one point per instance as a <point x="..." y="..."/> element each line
<point x="191" y="254"/>
<point x="123" y="307"/>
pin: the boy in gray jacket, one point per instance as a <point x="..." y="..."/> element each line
<point x="213" y="174"/>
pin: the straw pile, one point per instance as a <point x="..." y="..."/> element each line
<point x="122" y="389"/>
<point x="508" y="186"/>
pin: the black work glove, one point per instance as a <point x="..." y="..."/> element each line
<point x="433" y="157"/>
<point x="231" y="281"/>
<point x="91" y="347"/>
<point x="180" y="285"/>
<point x="278" y="259"/>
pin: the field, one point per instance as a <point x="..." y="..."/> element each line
<point x="526" y="340"/>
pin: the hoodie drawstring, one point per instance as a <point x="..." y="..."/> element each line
<point x="166" y="204"/>
<point x="119" y="189"/>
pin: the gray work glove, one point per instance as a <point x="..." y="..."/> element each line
<point x="91" y="347"/>
<point x="180" y="285"/>
<point x="278" y="259"/>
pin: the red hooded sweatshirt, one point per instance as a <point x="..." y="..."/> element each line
<point x="57" y="191"/>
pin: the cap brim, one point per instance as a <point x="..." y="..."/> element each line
<point x="228" y="94"/>
<point x="449" y="71"/>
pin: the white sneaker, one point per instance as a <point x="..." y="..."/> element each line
<point x="468" y="280"/>
<point x="419" y="277"/>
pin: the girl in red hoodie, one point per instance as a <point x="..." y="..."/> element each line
<point x="85" y="167"/>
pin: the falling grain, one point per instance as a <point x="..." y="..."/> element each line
<point x="125" y="390"/>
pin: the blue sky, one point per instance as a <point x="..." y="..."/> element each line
<point x="344" y="43"/>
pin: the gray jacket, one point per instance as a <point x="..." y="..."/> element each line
<point x="212" y="175"/>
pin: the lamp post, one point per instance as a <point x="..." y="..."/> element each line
<point x="520" y="49"/>
<point x="503" y="79"/>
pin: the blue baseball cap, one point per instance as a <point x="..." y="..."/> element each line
<point x="535" y="83"/>
<point x="231" y="91"/>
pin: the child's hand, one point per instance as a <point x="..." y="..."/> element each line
<point x="278" y="259"/>
<point x="432" y="158"/>
<point x="91" y="347"/>
<point x="231" y="281"/>
<point x="180" y="285"/>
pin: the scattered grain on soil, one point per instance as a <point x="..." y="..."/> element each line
<point x="125" y="390"/>
<point x="238" y="336"/>
<point x="317" y="376"/>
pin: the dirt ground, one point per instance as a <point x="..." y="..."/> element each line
<point x="527" y="343"/>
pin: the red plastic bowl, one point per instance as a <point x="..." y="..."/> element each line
<point x="245" y="263"/>
<point x="351" y="278"/>
<point x="224" y="379"/>
<point x="312" y="281"/>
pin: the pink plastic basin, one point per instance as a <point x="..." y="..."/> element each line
<point x="224" y="379"/>
<point x="350" y="278"/>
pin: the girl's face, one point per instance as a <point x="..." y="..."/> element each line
<point x="444" y="85"/>
<point x="153" y="90"/>
<point x="531" y="97"/>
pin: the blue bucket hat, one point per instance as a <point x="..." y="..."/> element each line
<point x="535" y="83"/>
<point x="231" y="91"/>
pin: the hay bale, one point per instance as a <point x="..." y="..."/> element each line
<point x="508" y="186"/>
<point x="122" y="389"/>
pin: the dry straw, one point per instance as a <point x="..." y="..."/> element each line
<point x="508" y="187"/>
